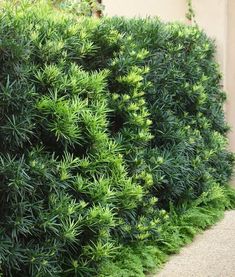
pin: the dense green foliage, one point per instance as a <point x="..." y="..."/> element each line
<point x="185" y="100"/>
<point x="105" y="125"/>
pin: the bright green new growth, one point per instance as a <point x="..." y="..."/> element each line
<point x="105" y="126"/>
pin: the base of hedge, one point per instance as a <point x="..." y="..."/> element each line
<point x="180" y="229"/>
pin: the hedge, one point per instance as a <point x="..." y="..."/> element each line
<point x="107" y="126"/>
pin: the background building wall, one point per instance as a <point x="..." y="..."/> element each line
<point x="166" y="9"/>
<point x="230" y="71"/>
<point x="211" y="15"/>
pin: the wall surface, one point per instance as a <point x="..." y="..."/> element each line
<point x="230" y="71"/>
<point x="211" y="15"/>
<point x="216" y="17"/>
<point x="168" y="10"/>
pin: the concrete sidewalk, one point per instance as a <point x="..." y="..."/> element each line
<point x="212" y="253"/>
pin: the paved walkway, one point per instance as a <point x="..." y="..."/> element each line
<point x="212" y="253"/>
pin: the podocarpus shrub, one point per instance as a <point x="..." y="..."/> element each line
<point x="98" y="120"/>
<point x="67" y="199"/>
<point x="184" y="99"/>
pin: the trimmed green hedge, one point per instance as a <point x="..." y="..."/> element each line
<point x="105" y="125"/>
<point x="184" y="101"/>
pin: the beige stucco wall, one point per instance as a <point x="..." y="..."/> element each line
<point x="211" y="15"/>
<point x="166" y="9"/>
<point x="230" y="71"/>
<point x="216" y="17"/>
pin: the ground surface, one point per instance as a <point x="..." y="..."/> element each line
<point x="212" y="253"/>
